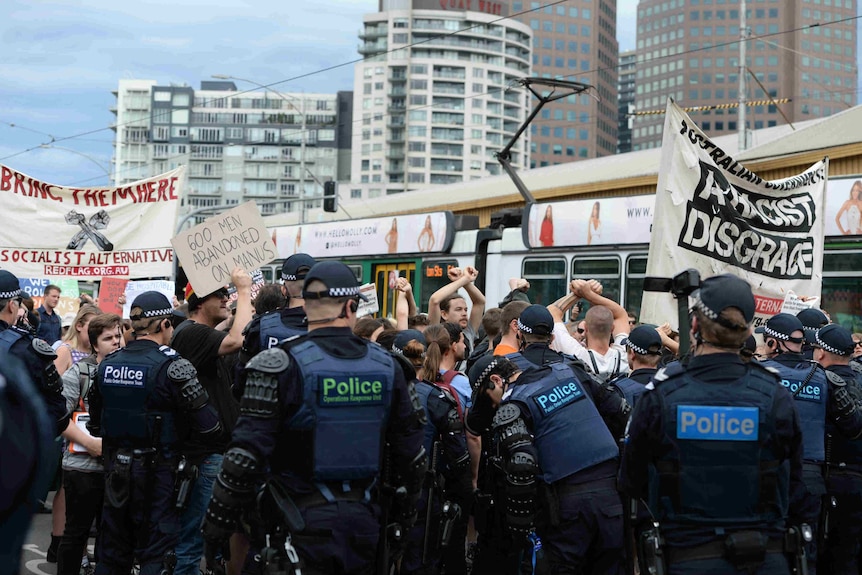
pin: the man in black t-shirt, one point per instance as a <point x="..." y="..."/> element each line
<point x="197" y="340"/>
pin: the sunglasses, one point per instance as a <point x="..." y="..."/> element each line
<point x="581" y="330"/>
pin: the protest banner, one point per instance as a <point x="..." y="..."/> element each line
<point x="136" y="288"/>
<point x="110" y="291"/>
<point x="714" y="215"/>
<point x="257" y="282"/>
<point x="211" y="250"/>
<point x="55" y="231"/>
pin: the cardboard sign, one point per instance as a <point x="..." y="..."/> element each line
<point x="793" y="304"/>
<point x="211" y="250"/>
<point x="136" y="288"/>
<point x="35" y="287"/>
<point x="110" y="291"/>
<point x="371" y="306"/>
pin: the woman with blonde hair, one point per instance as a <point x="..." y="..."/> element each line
<point x="75" y="345"/>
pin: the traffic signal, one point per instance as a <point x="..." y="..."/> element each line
<point x="330" y="197"/>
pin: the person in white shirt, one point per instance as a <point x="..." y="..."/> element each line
<point x="603" y="354"/>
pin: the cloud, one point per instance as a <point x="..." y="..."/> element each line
<point x="166" y="41"/>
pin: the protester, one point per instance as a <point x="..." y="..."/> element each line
<point x="198" y="341"/>
<point x="50" y="328"/>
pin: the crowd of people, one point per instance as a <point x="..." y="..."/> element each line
<point x="288" y="435"/>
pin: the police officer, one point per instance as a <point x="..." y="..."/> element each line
<point x="36" y="354"/>
<point x="817" y="403"/>
<point x="320" y="414"/>
<point x="554" y="454"/>
<point x="713" y="446"/>
<point x="812" y="320"/>
<point x="265" y="331"/>
<point x="146" y="401"/>
<point x="27" y="454"/>
<point x="535" y="334"/>
<point x="448" y="486"/>
<point x="833" y="349"/>
<point x="643" y="350"/>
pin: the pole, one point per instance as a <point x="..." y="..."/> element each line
<point x="743" y="36"/>
<point x="304" y="208"/>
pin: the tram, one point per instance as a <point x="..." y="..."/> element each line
<point x="548" y="243"/>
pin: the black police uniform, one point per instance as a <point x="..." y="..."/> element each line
<point x="145" y="403"/>
<point x="715" y="449"/>
<point x="320" y="415"/>
<point x="817" y="402"/>
<point x="448" y="485"/>
<point x="37" y="357"/>
<point x="843" y="545"/>
<point x="27" y="454"/>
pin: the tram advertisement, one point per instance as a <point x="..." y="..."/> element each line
<point x="86" y="233"/>
<point x="714" y="215"/>
<point x="403" y="234"/>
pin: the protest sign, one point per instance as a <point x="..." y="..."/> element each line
<point x="793" y="304"/>
<point x="714" y="215"/>
<point x="257" y="282"/>
<point x="110" y="291"/>
<point x="371" y="306"/>
<point x="73" y="232"/>
<point x="210" y="251"/>
<point x="69" y="293"/>
<point x="136" y="288"/>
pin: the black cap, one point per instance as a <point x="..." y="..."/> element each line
<point x="151" y="304"/>
<point x="835" y="339"/>
<point x="720" y="292"/>
<point x="296" y="267"/>
<point x="750" y="344"/>
<point x="644" y="340"/>
<point x="405" y="337"/>
<point x="9" y="286"/>
<point x="781" y="326"/>
<point x="195" y="301"/>
<point x="536" y="320"/>
<point x="489" y="365"/>
<point x="338" y="279"/>
<point x="812" y="319"/>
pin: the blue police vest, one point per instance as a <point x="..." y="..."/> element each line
<point x="346" y="403"/>
<point x="718" y="467"/>
<point x="127" y="379"/>
<point x="810" y="400"/>
<point x="8" y="338"/>
<point x="522" y="362"/>
<point x="273" y="330"/>
<point x="568" y="431"/>
<point x="845" y="450"/>
<point x="424" y="391"/>
<point x="629" y="388"/>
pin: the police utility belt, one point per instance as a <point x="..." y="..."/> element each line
<point x="745" y="545"/>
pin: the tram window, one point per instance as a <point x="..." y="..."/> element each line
<point x="384" y="277"/>
<point x="267" y="272"/>
<point x="434" y="276"/>
<point x="605" y="270"/>
<point x="635" y="273"/>
<point x="841" y="295"/>
<point x="547" y="279"/>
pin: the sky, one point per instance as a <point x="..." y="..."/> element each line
<point x="62" y="59"/>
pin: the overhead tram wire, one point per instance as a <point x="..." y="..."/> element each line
<point x="306" y="75"/>
<point x="498" y="89"/>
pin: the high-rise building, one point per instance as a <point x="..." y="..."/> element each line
<point x="238" y="145"/>
<point x="690" y="50"/>
<point x="626" y="100"/>
<point x="575" y="40"/>
<point x="431" y="101"/>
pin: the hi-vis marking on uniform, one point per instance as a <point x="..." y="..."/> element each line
<point x="126" y="375"/>
<point x="338" y="390"/>
<point x="561" y="395"/>
<point x="717" y="423"/>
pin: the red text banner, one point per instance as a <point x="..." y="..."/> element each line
<point x="79" y="232"/>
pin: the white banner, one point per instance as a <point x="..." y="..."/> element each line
<point x="55" y="231"/>
<point x="714" y="215"/>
